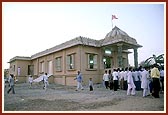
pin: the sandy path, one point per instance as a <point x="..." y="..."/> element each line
<point x="65" y="98"/>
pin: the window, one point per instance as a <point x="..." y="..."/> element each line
<point x="13" y="68"/>
<point x="50" y="67"/>
<point x="58" y="64"/>
<point x="42" y="67"/>
<point x="92" y="61"/>
<point x="70" y="62"/>
<point x="18" y="71"/>
<point x="108" y="52"/>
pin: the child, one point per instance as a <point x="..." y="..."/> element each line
<point x="45" y="77"/>
<point x="30" y="81"/>
<point x="91" y="84"/>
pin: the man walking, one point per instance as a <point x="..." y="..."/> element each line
<point x="145" y="82"/>
<point x="155" y="75"/>
<point x="130" y="82"/>
<point x="11" y="83"/>
<point x="79" y="79"/>
<point x="106" y="79"/>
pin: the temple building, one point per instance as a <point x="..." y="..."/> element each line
<point x="91" y="57"/>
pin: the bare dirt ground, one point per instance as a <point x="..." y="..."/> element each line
<point x="65" y="98"/>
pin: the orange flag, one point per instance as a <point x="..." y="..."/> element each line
<point x="114" y="17"/>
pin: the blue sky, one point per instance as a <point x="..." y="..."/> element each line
<point x="29" y="28"/>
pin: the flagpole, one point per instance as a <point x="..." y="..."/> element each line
<point x="113" y="17"/>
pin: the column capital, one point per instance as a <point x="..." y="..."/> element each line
<point x="119" y="44"/>
<point x="136" y="57"/>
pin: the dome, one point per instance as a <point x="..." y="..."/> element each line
<point x="116" y="32"/>
<point x="116" y="35"/>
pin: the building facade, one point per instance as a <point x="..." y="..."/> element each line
<point x="89" y="56"/>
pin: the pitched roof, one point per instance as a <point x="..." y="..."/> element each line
<point x="76" y="41"/>
<point x="114" y="36"/>
<point x="116" y="32"/>
<point x="118" y="35"/>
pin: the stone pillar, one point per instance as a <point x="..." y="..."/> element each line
<point x="135" y="57"/>
<point x="120" y="60"/>
<point x="37" y="67"/>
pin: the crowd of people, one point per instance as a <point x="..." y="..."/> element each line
<point x="148" y="79"/>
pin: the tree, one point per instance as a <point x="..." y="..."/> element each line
<point x="152" y="60"/>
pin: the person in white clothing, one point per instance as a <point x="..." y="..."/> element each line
<point x="139" y="70"/>
<point x="79" y="79"/>
<point x="118" y="71"/>
<point x="106" y="79"/>
<point x="11" y="83"/>
<point x="130" y="82"/>
<point x="125" y="78"/>
<point x="9" y="78"/>
<point x="30" y="81"/>
<point x="90" y="84"/>
<point x="121" y="79"/>
<point x="136" y="79"/>
<point x="145" y="82"/>
<point x="115" y="79"/>
<point x="110" y="79"/>
<point x="45" y="78"/>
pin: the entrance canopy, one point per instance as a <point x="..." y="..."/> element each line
<point x="119" y="41"/>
